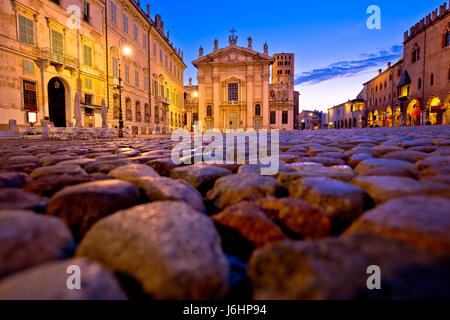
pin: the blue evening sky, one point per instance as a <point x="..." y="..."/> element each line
<point x="335" y="53"/>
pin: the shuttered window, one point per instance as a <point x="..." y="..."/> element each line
<point x="28" y="67"/>
<point x="88" y="83"/>
<point x="114" y="66"/>
<point x="113" y="12"/>
<point x="57" y="45"/>
<point x="26" y="32"/>
<point x="87" y="55"/>
<point x="125" y="24"/>
<point x="127" y="74"/>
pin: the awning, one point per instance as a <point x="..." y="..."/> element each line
<point x="404" y="80"/>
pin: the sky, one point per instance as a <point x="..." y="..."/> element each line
<point x="335" y="51"/>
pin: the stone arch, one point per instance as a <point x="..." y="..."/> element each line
<point x="66" y="104"/>
<point x="389" y="117"/>
<point x="434" y="107"/>
<point x="413" y="113"/>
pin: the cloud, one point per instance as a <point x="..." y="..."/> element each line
<point x="351" y="67"/>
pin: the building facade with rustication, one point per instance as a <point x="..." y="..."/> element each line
<point x="52" y="49"/>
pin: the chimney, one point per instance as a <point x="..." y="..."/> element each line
<point x="388" y="65"/>
<point x="434" y="15"/>
<point x="405" y="35"/>
<point x="443" y="9"/>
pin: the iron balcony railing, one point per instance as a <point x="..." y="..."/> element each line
<point x="59" y="58"/>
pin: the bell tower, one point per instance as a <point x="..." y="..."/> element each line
<point x="283" y="68"/>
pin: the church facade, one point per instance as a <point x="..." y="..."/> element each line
<point x="235" y="90"/>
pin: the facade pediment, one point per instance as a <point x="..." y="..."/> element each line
<point x="233" y="54"/>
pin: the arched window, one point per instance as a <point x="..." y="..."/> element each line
<point x="116" y="106"/>
<point x="415" y="53"/>
<point x="209" y="111"/>
<point x="147" y="113"/>
<point x="257" y="110"/>
<point x="128" y="114"/>
<point x="138" y="111"/>
<point x="156" y="114"/>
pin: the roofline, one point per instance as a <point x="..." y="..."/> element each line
<point x="152" y="24"/>
<point x="196" y="61"/>
<point x="401" y="60"/>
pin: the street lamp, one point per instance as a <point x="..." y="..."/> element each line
<point x="126" y="52"/>
<point x="195" y="96"/>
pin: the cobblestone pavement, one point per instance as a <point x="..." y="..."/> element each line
<point x="138" y="225"/>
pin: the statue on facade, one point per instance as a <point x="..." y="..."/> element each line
<point x="250" y="40"/>
<point x="190" y="81"/>
<point x="216" y="44"/>
<point x="200" y="52"/>
<point x="266" y="48"/>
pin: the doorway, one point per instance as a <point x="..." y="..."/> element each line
<point x="57" y="102"/>
<point x="233" y="120"/>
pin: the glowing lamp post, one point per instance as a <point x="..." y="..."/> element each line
<point x="31" y="117"/>
<point x="126" y="52"/>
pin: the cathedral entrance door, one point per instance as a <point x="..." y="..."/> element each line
<point x="257" y="124"/>
<point x="233" y="120"/>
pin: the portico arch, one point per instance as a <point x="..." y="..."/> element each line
<point x="435" y="109"/>
<point x="413" y="113"/>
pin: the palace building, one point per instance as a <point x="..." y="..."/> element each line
<point x="413" y="91"/>
<point x="235" y="92"/>
<point x="52" y="49"/>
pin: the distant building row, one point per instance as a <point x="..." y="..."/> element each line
<point x="414" y="91"/>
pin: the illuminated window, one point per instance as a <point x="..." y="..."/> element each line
<point x="233" y="92"/>
<point x="29" y="95"/>
<point x="26" y="30"/>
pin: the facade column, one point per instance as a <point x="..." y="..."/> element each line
<point x="265" y="98"/>
<point x="250" y="103"/>
<point x="216" y="100"/>
<point x="201" y="101"/>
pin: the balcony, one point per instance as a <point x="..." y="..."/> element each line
<point x="231" y="103"/>
<point x="162" y="100"/>
<point x="58" y="59"/>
